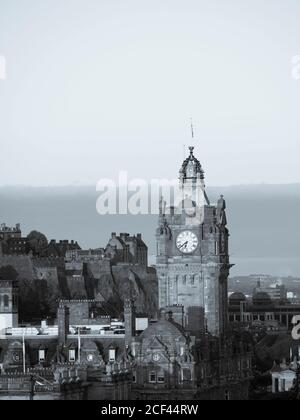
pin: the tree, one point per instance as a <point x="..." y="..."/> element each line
<point x="8" y="272"/>
<point x="37" y="242"/>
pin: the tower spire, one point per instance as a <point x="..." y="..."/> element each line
<point x="192" y="129"/>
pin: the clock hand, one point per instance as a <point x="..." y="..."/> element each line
<point x="183" y="245"/>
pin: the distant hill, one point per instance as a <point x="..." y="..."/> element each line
<point x="263" y="222"/>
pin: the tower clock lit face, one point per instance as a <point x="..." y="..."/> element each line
<point x="187" y="242"/>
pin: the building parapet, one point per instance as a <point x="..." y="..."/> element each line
<point x="74" y="302"/>
<point x="70" y="336"/>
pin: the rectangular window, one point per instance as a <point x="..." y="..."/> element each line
<point x="134" y="377"/>
<point x="41" y="355"/>
<point x="152" y="377"/>
<point x="161" y="378"/>
<point x="72" y="356"/>
<point x="186" y="375"/>
<point x="112" y="355"/>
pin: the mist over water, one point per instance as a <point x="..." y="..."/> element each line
<point x="263" y="222"/>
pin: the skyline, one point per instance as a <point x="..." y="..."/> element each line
<point x="252" y="212"/>
<point x="94" y="86"/>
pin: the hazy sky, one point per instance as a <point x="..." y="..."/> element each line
<point x="94" y="86"/>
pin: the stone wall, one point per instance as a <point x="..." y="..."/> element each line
<point x="22" y="264"/>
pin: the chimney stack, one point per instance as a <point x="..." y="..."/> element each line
<point x="63" y="320"/>
<point x="129" y="317"/>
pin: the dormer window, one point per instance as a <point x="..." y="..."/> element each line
<point x="152" y="377"/>
<point x="112" y="355"/>
<point x="42" y="355"/>
<point x="186" y="375"/>
<point x="161" y="377"/>
<point x="72" y="355"/>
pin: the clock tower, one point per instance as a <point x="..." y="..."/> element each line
<point x="192" y="254"/>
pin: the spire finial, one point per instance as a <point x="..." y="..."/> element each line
<point x="192" y="150"/>
<point x="192" y="128"/>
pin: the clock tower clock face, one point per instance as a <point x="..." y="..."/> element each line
<point x="187" y="242"/>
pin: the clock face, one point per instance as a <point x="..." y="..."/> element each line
<point x="17" y="357"/>
<point x="156" y="357"/>
<point x="187" y="242"/>
<point x="90" y="358"/>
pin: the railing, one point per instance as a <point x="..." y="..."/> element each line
<point x="16" y="382"/>
<point x="92" y="333"/>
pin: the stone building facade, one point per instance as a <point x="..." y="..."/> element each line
<point x="11" y="241"/>
<point x="66" y="365"/>
<point x="7" y="232"/>
<point x="262" y="312"/>
<point x="8" y="304"/>
<point x="168" y="363"/>
<point x="127" y="249"/>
